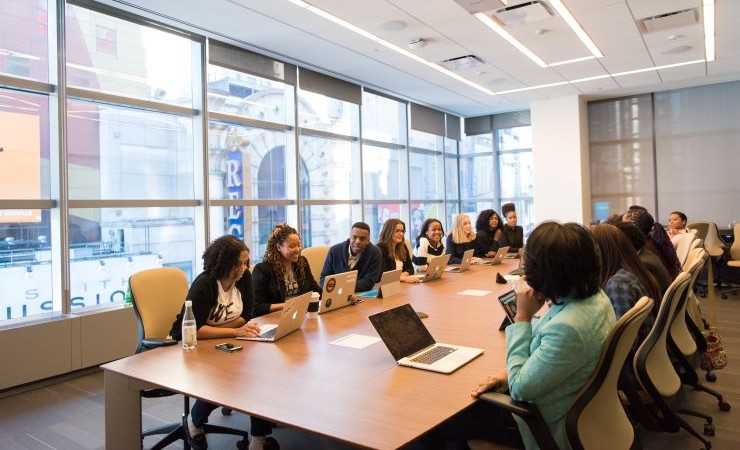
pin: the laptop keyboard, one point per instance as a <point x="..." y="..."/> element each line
<point x="433" y="355"/>
<point x="268" y="334"/>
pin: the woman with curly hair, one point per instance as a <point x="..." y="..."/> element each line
<point x="657" y="240"/>
<point x="283" y="272"/>
<point x="223" y="303"/>
<point x="393" y="250"/>
<point x="488" y="230"/>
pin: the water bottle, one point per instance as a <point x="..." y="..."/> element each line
<point x="189" y="329"/>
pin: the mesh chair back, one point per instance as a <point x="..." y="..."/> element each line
<point x="652" y="363"/>
<point x="597" y="411"/>
<point x="158" y="295"/>
<point x="680" y="333"/>
<point x="684" y="246"/>
<point x="316" y="257"/>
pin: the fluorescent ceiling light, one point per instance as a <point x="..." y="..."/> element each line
<point x="708" y="14"/>
<point x="383" y="42"/>
<point x="576" y="27"/>
<point x="490" y="23"/>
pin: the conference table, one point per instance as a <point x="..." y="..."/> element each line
<point x="358" y="396"/>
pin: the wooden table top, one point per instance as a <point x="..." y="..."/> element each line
<point x="357" y="396"/>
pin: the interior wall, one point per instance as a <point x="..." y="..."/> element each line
<point x="561" y="165"/>
<point x="32" y="352"/>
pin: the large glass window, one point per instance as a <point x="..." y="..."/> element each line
<point x="115" y="56"/>
<point x="384" y="172"/>
<point x="323" y="113"/>
<point x="515" y="172"/>
<point x="24" y="46"/>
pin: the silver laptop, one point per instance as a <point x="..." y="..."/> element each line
<point x="390" y="284"/>
<point x="499" y="256"/>
<point x="338" y="290"/>
<point x="412" y="345"/>
<point x="435" y="268"/>
<point x="464" y="264"/>
<point x="291" y="319"/>
<point x="519" y="270"/>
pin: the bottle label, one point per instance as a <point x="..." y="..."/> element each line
<point x="189" y="337"/>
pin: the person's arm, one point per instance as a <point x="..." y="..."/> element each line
<point x="328" y="268"/>
<point x="452" y="249"/>
<point x="265" y="300"/>
<point x="482" y="246"/>
<point x="370" y="272"/>
<point x="421" y="254"/>
<point x="407" y="276"/>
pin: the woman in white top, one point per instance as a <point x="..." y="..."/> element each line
<point x="428" y="243"/>
<point x="676" y="227"/>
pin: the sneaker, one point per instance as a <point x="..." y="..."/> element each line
<point x="195" y="441"/>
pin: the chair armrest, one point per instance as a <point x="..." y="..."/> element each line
<point x="529" y="413"/>
<point x="154" y="343"/>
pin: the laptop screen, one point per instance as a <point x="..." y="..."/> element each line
<point x="402" y="331"/>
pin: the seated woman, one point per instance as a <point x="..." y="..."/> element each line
<point x="623" y="276"/>
<point x="283" y="272"/>
<point x="548" y="362"/>
<point x="512" y="234"/>
<point x="656" y="238"/>
<point x="223" y="301"/>
<point x="394" y="252"/>
<point x="650" y="260"/>
<point x="676" y="227"/>
<point x="460" y="239"/>
<point x="488" y="230"/>
<point x="428" y="243"/>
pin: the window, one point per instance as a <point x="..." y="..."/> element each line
<point x="24" y="46"/>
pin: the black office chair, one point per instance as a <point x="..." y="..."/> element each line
<point x="656" y="374"/>
<point x="597" y="410"/>
<point x="157" y="296"/>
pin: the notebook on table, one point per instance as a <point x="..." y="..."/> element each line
<point x="291" y="319"/>
<point x="435" y="268"/>
<point x="390" y="284"/>
<point x="338" y="290"/>
<point x="464" y="264"/>
<point x="411" y="344"/>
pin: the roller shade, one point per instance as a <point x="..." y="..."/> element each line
<point x="329" y="86"/>
<point x="427" y="120"/>
<point x="242" y="60"/>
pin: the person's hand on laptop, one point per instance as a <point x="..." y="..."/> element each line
<point x="249" y="329"/>
<point x="406" y="278"/>
<point x="476" y="260"/>
<point x="498" y="382"/>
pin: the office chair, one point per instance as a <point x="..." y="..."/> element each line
<point x="157" y="296"/>
<point x="685" y="341"/>
<point x="684" y="245"/>
<point x="730" y="273"/>
<point x="714" y="245"/>
<point x="316" y="257"/>
<point x="596" y="411"/>
<point x="655" y="373"/>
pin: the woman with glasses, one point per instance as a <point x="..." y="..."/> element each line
<point x="223" y="302"/>
<point x="283" y="272"/>
<point x="393" y="250"/>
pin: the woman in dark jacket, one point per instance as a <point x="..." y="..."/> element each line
<point x="488" y="230"/>
<point x="394" y="252"/>
<point x="283" y="272"/>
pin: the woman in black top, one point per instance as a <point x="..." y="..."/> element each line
<point x="428" y="243"/>
<point x="512" y="234"/>
<point x="461" y="239"/>
<point x="283" y="272"/>
<point x="393" y="250"/>
<point x="488" y="229"/>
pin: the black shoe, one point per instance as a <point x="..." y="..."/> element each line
<point x="196" y="442"/>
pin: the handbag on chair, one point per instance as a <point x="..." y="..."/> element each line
<point x="714" y="356"/>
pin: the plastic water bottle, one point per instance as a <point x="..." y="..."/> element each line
<point x="189" y="329"/>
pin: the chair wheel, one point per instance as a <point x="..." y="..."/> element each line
<point x="226" y="411"/>
<point x="724" y="406"/>
<point x="708" y="429"/>
<point x="271" y="443"/>
<point x="242" y="444"/>
<point x="710" y="377"/>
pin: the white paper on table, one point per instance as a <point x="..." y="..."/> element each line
<point x="474" y="292"/>
<point x="356" y="341"/>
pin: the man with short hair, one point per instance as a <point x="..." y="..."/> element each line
<point x="356" y="253"/>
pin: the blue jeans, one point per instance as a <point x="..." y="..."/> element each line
<point x="201" y="410"/>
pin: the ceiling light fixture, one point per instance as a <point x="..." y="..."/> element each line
<point x="320" y="12"/>
<point x="708" y="13"/>
<point x="490" y="23"/>
<point x="571" y="61"/>
<point x="576" y="27"/>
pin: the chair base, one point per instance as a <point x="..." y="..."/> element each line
<point x="175" y="432"/>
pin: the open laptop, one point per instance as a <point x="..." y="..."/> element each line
<point x="338" y="290"/>
<point x="291" y="319"/>
<point x="498" y="257"/>
<point x="390" y="284"/>
<point x="464" y="264"/>
<point x="435" y="268"/>
<point x="412" y="345"/>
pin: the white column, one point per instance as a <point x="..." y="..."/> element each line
<point x="561" y="164"/>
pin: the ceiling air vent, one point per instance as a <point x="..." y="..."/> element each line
<point x="667" y="21"/>
<point x="462" y="62"/>
<point x="522" y="13"/>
